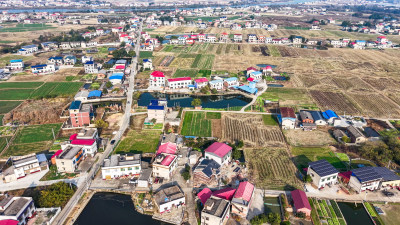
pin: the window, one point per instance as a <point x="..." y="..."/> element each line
<point x="323" y="180"/>
<point x="130" y="168"/>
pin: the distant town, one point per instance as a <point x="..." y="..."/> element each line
<point x="187" y="113"/>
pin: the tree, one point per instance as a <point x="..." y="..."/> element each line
<point x="346" y="139"/>
<point x="56" y="195"/>
<point x="109" y="84"/>
<point x="120" y="53"/>
<point x="154" y="120"/>
<point x="368" y="24"/>
<point x="214" y="91"/>
<point x="167" y="127"/>
<point x="307" y="178"/>
<point x="285" y="223"/>
<point x="346" y="24"/>
<point x="301" y="215"/>
<point x="186" y="172"/>
<point x="105" y="91"/>
<point x="101" y="124"/>
<point x="240" y="144"/>
<point x="205" y="90"/>
<point x="236" y="154"/>
<point x="196" y="102"/>
<point x="122" y="44"/>
<point x="160" y="38"/>
<point x="132" y="53"/>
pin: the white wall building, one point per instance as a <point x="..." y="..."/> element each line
<point x="121" y="165"/>
<point x="322" y="173"/>
<point x="168" y="198"/>
<point x="181" y="82"/>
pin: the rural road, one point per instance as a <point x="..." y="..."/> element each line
<point x="61" y="218"/>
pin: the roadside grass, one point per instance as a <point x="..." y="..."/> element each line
<point x="3" y="142"/>
<point x="270" y="120"/>
<point x="392" y="215"/>
<point x="145" y="141"/>
<point x="53" y="174"/>
<point x="7" y="106"/>
<point x="36" y="133"/>
<point x="304" y="155"/>
<point x="27" y="148"/>
<point x="213" y="115"/>
<point x="195" y="124"/>
<point x="1" y="120"/>
<point x="355" y="163"/>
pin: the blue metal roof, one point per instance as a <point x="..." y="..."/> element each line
<point x="56" y="58"/>
<point x="75" y="105"/>
<point x="256" y="72"/>
<point x="316" y="115"/>
<point x="118" y="74"/>
<point x="231" y="79"/>
<point x="29" y="46"/>
<point x="156" y="107"/>
<point x="39" y="66"/>
<point x="248" y="89"/>
<point x="145" y="60"/>
<point x="41" y="158"/>
<point x="386" y="174"/>
<point x="95" y="93"/>
<point x="89" y="62"/>
<point x="329" y="114"/>
<point x="216" y="81"/>
<point x="15" y="60"/>
<point x="116" y="77"/>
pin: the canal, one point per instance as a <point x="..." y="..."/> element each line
<point x="355" y="214"/>
<point x="110" y="208"/>
<point x="185" y="100"/>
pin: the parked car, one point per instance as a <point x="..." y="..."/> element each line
<point x="112" y="142"/>
<point x="388" y="193"/>
<point x="133" y="181"/>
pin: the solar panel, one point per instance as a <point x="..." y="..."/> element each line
<point x="323" y="168"/>
<point x="365" y="174"/>
<point x="386" y="174"/>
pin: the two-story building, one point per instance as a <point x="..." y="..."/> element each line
<point x="287" y="118"/>
<point x="157" y="79"/>
<point x="180" y="82"/>
<point x="200" y="82"/>
<point x="365" y="178"/>
<point x="69" y="159"/>
<point x="219" y="152"/>
<point x="217" y="84"/>
<point x="16" y="210"/>
<point x="121" y="165"/>
<point x="169" y="198"/>
<point x="16" y="65"/>
<point x="43" y="69"/>
<point x="164" y="165"/>
<point x="206" y="172"/>
<point x="215" y="211"/>
<point x="91" y="67"/>
<point x="80" y="114"/>
<point x="241" y="201"/>
<point x="322" y="173"/>
<point x="156" y="110"/>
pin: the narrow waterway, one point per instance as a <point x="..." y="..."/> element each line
<point x="110" y="208"/>
<point x="355" y="214"/>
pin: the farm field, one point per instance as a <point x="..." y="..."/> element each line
<point x="145" y="54"/>
<point x="196" y="124"/>
<point x="27" y="27"/>
<point x="7" y="106"/>
<point x="304" y="155"/>
<point x="270" y="120"/>
<point x="36" y="133"/>
<point x="328" y="210"/>
<point x="185" y="73"/>
<point x="251" y="130"/>
<point x="294" y="97"/>
<point x="312" y="138"/>
<point x="271" y="168"/>
<point x="18" y="85"/>
<point x="391" y="216"/>
<point x="15" y="94"/>
<point x="53" y="89"/>
<point x="139" y="142"/>
<point x="334" y="101"/>
<point x="203" y="62"/>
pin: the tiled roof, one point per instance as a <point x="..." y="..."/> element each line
<point x="219" y="149"/>
<point x="300" y="200"/>
<point x="244" y="191"/>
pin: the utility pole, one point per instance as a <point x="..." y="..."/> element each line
<point x="54" y="136"/>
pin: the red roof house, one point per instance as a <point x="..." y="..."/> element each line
<point x="168" y="147"/>
<point x="83" y="141"/>
<point x="300" y="202"/>
<point x="73" y="137"/>
<point x="53" y="157"/>
<point x="179" y="79"/>
<point x="220" y="152"/>
<point x="201" y="80"/>
<point x="226" y="193"/>
<point x="9" y="222"/>
<point x="167" y="160"/>
<point x="204" y="195"/>
<point x="244" y="191"/>
<point x="120" y="67"/>
<point x="157" y="74"/>
<point x="251" y="68"/>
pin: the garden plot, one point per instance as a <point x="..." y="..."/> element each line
<point x="185" y="73"/>
<point x="376" y="105"/>
<point x="312" y="138"/>
<point x="303" y="155"/>
<point x="196" y="124"/>
<point x="54" y="89"/>
<point x="335" y="101"/>
<point x="203" y="62"/>
<point x="272" y="169"/>
<point x="329" y="210"/>
<point x="138" y="142"/>
<point x="182" y="62"/>
<point x="166" y="61"/>
<point x="273" y="50"/>
<point x="251" y="130"/>
<point x="383" y="83"/>
<point x="352" y="83"/>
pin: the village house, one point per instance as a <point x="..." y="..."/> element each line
<point x="224" y="37"/>
<point x="206" y="172"/>
<point x="318" y="119"/>
<point x="238" y="38"/>
<point x="389" y="178"/>
<point x="49" y="46"/>
<point x="169" y="198"/>
<point x="80" y="114"/>
<point x="144" y="180"/>
<point x="261" y="39"/>
<point x="322" y="173"/>
<point x="43" y="69"/>
<point x="56" y="60"/>
<point x="164" y="165"/>
<point x="16" y="64"/>
<point x="22" y="166"/>
<point x="267" y="71"/>
<point x="156" y="110"/>
<point x="69" y="159"/>
<point x="297" y="40"/>
<point x="69" y="60"/>
<point x="306" y="117"/>
<point x="28" y="49"/>
<point x="211" y="38"/>
<point x="16" y="210"/>
<point x="231" y="82"/>
<point x="65" y="45"/>
<point x="356" y="135"/>
<point x="252" y="38"/>
<point x="157" y="79"/>
<point x="219" y="152"/>
<point x="250" y="70"/>
<point x="241" y="201"/>
<point x="89" y="146"/>
<point x="91" y="67"/>
<point x="200" y="83"/>
<point x="330" y="116"/>
<point x="287" y="118"/>
<point x="180" y="82"/>
<point x="86" y="59"/>
<point x="148" y="64"/>
<point x="276" y="41"/>
<point x="121" y="165"/>
<point x="255" y="76"/>
<point x="116" y="78"/>
<point x="201" y="37"/>
<point x="217" y="84"/>
<point x="300" y="202"/>
<point x="364" y="178"/>
<point x="215" y="211"/>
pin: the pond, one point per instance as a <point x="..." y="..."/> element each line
<point x="275" y="85"/>
<point x="185" y="100"/>
<point x="355" y="213"/>
<point x="111" y="208"/>
<point x="272" y="205"/>
<point x="265" y="65"/>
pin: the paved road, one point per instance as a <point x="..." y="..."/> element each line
<point x="61" y="218"/>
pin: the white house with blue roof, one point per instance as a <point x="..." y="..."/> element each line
<point x="116" y="78"/>
<point x="28" y="49"/>
<point x="217" y="84"/>
<point x="365" y="178"/>
<point x="322" y="173"/>
<point x="330" y="116"/>
<point x="256" y="75"/>
<point x="43" y="69"/>
<point x="156" y="110"/>
<point x="16" y="64"/>
<point x="57" y="60"/>
<point x="148" y="64"/>
<point x="231" y="82"/>
<point x="91" y="67"/>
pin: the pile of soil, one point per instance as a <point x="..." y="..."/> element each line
<point x="38" y="111"/>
